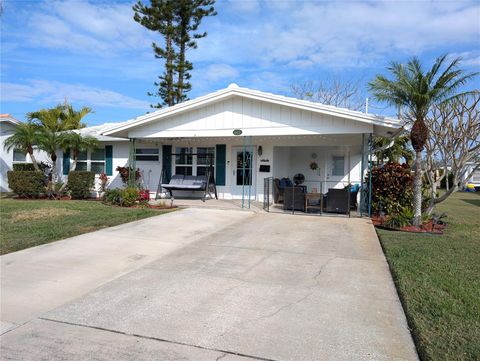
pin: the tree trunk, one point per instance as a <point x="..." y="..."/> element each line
<point x="34" y="161"/>
<point x="433" y="195"/>
<point x="447" y="183"/>
<point x="53" y="156"/>
<point x="169" y="65"/>
<point x="181" y="68"/>
<point x="417" y="190"/>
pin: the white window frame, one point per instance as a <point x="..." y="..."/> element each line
<point x="89" y="160"/>
<point x="157" y="154"/>
<point x="194" y="165"/>
<point x="334" y="158"/>
<point x="16" y="150"/>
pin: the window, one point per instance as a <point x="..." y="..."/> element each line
<point x="19" y="156"/>
<point x="205" y="156"/>
<point x="97" y="163"/>
<point x="338" y="166"/>
<point x="92" y="161"/>
<point x="82" y="161"/>
<point x="188" y="164"/>
<point x="147" y="154"/>
<point x="183" y="161"/>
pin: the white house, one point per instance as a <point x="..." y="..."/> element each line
<point x="251" y="135"/>
<point x="472" y="174"/>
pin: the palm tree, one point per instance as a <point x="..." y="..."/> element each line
<point x="48" y="118"/>
<point x="73" y="118"/>
<point x="49" y="141"/>
<point x="77" y="143"/>
<point x="24" y="138"/>
<point x="60" y="118"/>
<point x="393" y="150"/>
<point x="417" y="90"/>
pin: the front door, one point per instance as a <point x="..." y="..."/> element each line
<point x="243" y="177"/>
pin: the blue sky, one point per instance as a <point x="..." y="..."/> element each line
<point x="94" y="54"/>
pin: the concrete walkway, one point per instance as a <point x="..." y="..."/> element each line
<point x="259" y="287"/>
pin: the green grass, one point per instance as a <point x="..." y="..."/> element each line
<point x="438" y="279"/>
<point x="28" y="223"/>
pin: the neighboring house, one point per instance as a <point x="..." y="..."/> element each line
<point x="8" y="158"/>
<point x="244" y="130"/>
<point x="474" y="177"/>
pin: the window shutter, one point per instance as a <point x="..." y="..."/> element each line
<point x="66" y="162"/>
<point x="220" y="164"/>
<point x="109" y="160"/>
<point x="167" y="162"/>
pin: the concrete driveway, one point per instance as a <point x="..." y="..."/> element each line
<point x="255" y="287"/>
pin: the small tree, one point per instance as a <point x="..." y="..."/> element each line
<point x="77" y="143"/>
<point x="50" y="141"/>
<point x="393" y="150"/>
<point x="24" y="138"/>
<point x="454" y="140"/>
<point x="344" y="94"/>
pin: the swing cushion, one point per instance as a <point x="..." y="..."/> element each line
<point x="189" y="182"/>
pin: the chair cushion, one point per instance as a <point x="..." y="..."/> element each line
<point x="176" y="179"/>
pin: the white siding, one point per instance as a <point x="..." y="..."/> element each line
<point x="254" y="117"/>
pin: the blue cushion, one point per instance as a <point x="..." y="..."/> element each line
<point x="285" y="182"/>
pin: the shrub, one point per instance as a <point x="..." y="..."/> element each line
<point x="26" y="183"/>
<point x="113" y="196"/>
<point x="80" y="184"/>
<point x="391" y="188"/>
<point x="122" y="197"/>
<point x="144" y="195"/>
<point x="400" y="219"/>
<point x="23" y="167"/>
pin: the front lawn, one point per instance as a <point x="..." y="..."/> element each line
<point x="438" y="279"/>
<point x="28" y="223"/>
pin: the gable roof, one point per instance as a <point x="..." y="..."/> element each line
<point x="9" y="119"/>
<point x="235" y="90"/>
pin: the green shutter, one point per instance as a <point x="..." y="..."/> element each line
<point x="66" y="162"/>
<point x="167" y="163"/>
<point x="220" y="164"/>
<point x="109" y="160"/>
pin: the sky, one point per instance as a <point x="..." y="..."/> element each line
<point x="94" y="54"/>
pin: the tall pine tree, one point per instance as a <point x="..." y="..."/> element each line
<point x="177" y="21"/>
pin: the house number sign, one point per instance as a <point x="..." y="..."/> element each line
<point x="237" y="132"/>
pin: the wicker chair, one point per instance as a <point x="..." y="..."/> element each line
<point x="294" y="198"/>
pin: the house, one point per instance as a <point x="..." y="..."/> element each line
<point x="472" y="175"/>
<point x="248" y="135"/>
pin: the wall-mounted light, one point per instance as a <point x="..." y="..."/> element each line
<point x="260" y="150"/>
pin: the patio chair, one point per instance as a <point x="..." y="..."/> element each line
<point x="294" y="198"/>
<point x="338" y="200"/>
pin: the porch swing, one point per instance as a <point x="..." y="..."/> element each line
<point x="180" y="182"/>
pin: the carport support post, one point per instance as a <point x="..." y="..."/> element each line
<point x="251" y="172"/>
<point x="243" y="173"/>
<point x="132" y="166"/>
<point x="362" y="178"/>
<point x="370" y="143"/>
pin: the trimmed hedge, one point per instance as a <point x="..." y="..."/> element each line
<point x="80" y="184"/>
<point x="23" y="167"/>
<point x="26" y="183"/>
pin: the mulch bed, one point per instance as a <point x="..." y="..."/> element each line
<point x="426" y="227"/>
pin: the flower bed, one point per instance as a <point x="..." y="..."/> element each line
<point x="426" y="227"/>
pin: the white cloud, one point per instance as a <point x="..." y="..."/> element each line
<point x="82" y="27"/>
<point x="43" y="91"/>
<point x="217" y="72"/>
